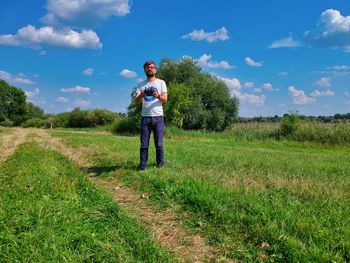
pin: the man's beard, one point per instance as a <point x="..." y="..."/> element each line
<point x="150" y="75"/>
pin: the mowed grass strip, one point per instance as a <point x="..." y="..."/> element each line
<point x="49" y="212"/>
<point x="271" y="221"/>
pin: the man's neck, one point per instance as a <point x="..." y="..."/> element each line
<point x="151" y="79"/>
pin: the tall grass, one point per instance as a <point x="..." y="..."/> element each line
<point x="49" y="212"/>
<point x="253" y="200"/>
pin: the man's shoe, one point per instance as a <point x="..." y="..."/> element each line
<point x="141" y="168"/>
<point x="160" y="165"/>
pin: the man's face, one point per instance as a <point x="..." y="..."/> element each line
<point x="150" y="70"/>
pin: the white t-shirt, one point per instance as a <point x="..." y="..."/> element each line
<point x="151" y="106"/>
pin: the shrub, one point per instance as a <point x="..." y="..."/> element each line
<point x="7" y="123"/>
<point x="127" y="125"/>
<point x="289" y="125"/>
<point x="35" y="122"/>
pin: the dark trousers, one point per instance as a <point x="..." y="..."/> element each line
<point x="148" y="125"/>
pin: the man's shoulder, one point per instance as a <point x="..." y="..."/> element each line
<point x="162" y="82"/>
<point x="142" y="83"/>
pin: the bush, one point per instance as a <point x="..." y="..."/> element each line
<point x="127" y="125"/>
<point x="289" y="125"/>
<point x="7" y="123"/>
<point x="35" y="122"/>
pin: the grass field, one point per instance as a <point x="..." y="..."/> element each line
<point x="263" y="200"/>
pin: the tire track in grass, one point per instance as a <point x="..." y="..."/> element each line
<point x="11" y="141"/>
<point x="162" y="223"/>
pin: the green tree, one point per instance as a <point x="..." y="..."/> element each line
<point x="34" y="111"/>
<point x="13" y="103"/>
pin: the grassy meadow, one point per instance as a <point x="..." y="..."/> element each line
<point x="251" y="199"/>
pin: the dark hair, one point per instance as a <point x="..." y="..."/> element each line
<point x="149" y="62"/>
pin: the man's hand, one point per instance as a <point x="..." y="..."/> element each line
<point x="155" y="94"/>
<point x="139" y="97"/>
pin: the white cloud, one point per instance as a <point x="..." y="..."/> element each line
<point x="258" y="90"/>
<point x="299" y="97"/>
<point x="333" y="30"/>
<point x="285" y="42"/>
<point x="235" y="86"/>
<point x="31" y="94"/>
<point x="23" y="81"/>
<point x="340" y="67"/>
<point x="32" y="37"/>
<point x="88" y="72"/>
<point x="62" y="99"/>
<point x="282" y="73"/>
<point x="324" y="82"/>
<point x="82" y="103"/>
<point x="128" y="73"/>
<point x="5" y="75"/>
<point x="252" y="99"/>
<point x="248" y="85"/>
<point x="232" y="84"/>
<point x="198" y="35"/>
<point x="267" y="86"/>
<point x="83" y="13"/>
<point x="327" y="93"/>
<point x="252" y="63"/>
<point x="77" y="89"/>
<point x="204" y="62"/>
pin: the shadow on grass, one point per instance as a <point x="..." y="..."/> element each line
<point x="105" y="171"/>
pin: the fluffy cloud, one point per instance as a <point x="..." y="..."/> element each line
<point x="248" y="84"/>
<point x="204" y="62"/>
<point x="267" y="86"/>
<point x="252" y="99"/>
<point x="83" y="13"/>
<point x="324" y="82"/>
<point x="299" y="97"/>
<point x="285" y="42"/>
<point x="19" y="79"/>
<point x="32" y="37"/>
<point x="235" y="86"/>
<point x="88" y="72"/>
<point x="327" y="93"/>
<point x="5" y="75"/>
<point x="282" y="73"/>
<point x="31" y="94"/>
<point x="339" y="67"/>
<point x="252" y="63"/>
<point x="198" y="35"/>
<point x="127" y="73"/>
<point x="62" y="99"/>
<point x="77" y="89"/>
<point x="23" y="81"/>
<point x="333" y="30"/>
<point x="82" y="103"/>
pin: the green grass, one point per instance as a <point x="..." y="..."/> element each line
<point x="49" y="212"/>
<point x="241" y="193"/>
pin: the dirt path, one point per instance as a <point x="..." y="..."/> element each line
<point x="163" y="224"/>
<point x="11" y="142"/>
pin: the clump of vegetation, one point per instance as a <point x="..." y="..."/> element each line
<point x="289" y="125"/>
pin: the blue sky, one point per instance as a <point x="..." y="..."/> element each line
<point x="275" y="56"/>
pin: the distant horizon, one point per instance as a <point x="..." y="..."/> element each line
<point x="274" y="56"/>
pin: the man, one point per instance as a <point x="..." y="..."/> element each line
<point x="152" y="93"/>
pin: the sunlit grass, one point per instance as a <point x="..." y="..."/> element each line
<point x="242" y="193"/>
<point x="49" y="212"/>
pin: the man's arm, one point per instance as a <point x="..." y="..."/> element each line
<point x="163" y="97"/>
<point x="139" y="96"/>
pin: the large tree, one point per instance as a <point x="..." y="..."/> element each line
<point x="13" y="104"/>
<point x="197" y="100"/>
